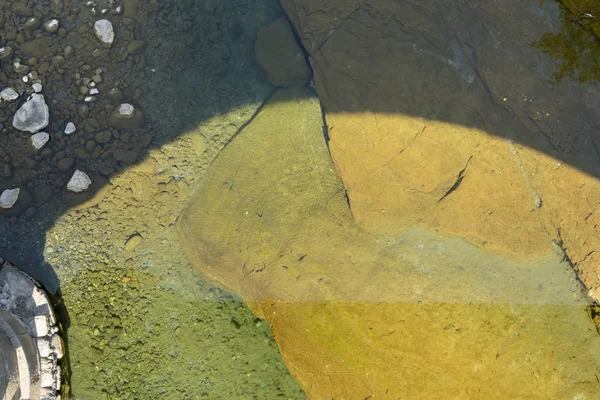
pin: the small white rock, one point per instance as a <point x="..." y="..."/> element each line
<point x="79" y="182"/>
<point x="9" y="197"/>
<point x="94" y="91"/>
<point x="70" y="128"/>
<point x="37" y="87"/>
<point x="104" y="31"/>
<point x="126" y="109"/>
<point x="9" y="94"/>
<point x="25" y="79"/>
<point x="39" y="140"/>
<point x="51" y="26"/>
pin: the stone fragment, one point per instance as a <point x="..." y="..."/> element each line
<point x="33" y="115"/>
<point x="104" y="31"/>
<point x="280" y="57"/>
<point x="70" y="128"/>
<point x="8" y="94"/>
<point x="127" y="116"/>
<point x="9" y="197"/>
<point x="39" y="139"/>
<point x="79" y="182"/>
<point x="37" y="87"/>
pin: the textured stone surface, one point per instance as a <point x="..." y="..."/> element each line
<point x="356" y="314"/>
<point x="440" y="119"/>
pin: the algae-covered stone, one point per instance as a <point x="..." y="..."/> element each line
<point x="280" y="57"/>
<point x="133" y="242"/>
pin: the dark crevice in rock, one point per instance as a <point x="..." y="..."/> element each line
<point x="459" y="179"/>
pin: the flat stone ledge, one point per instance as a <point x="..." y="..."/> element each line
<point x="31" y="340"/>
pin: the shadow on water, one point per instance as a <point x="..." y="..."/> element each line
<point x="199" y="62"/>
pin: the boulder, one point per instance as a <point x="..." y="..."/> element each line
<point x="280" y="57"/>
<point x="33" y="115"/>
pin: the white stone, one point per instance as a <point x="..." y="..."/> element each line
<point x="70" y="128"/>
<point x="33" y="115"/>
<point x="9" y="94"/>
<point x="57" y="346"/>
<point x="43" y="345"/>
<point x="39" y="326"/>
<point x="53" y="23"/>
<point x="104" y="31"/>
<point x="25" y="79"/>
<point x="39" y="140"/>
<point x="37" y="87"/>
<point x="94" y="91"/>
<point x="79" y="182"/>
<point x="126" y="110"/>
<point x="9" y="197"/>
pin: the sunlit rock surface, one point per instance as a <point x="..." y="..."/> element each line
<point x="444" y="115"/>
<point x="411" y="314"/>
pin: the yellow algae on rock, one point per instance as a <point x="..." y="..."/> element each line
<point x="356" y="314"/>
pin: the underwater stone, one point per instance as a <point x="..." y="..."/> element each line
<point x="127" y="116"/>
<point x="39" y="140"/>
<point x="70" y="128"/>
<point x="9" y="197"/>
<point x="79" y="182"/>
<point x="104" y="31"/>
<point x="33" y="115"/>
<point x="9" y="94"/>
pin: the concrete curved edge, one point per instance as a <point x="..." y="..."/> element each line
<point x="29" y="339"/>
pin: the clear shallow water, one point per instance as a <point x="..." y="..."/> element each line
<point x="331" y="309"/>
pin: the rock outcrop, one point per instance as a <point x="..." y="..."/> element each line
<point x="440" y="119"/>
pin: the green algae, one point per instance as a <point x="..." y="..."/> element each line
<point x="132" y="335"/>
<point x="576" y="46"/>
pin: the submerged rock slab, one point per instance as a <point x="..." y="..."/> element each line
<point x="444" y="115"/>
<point x="280" y="57"/>
<point x="357" y="314"/>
